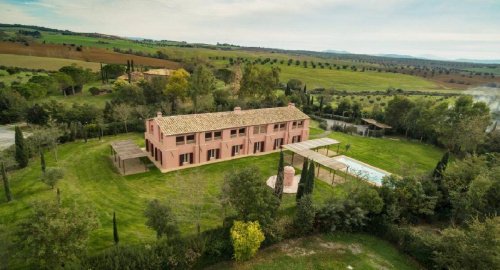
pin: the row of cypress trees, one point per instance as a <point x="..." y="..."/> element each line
<point x="306" y="183"/>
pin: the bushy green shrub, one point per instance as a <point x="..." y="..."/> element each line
<point x="246" y="238"/>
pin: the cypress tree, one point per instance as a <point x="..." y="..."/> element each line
<point x="6" y="185"/>
<point x="58" y="194"/>
<point x="278" y="186"/>
<point x="115" y="230"/>
<point x="441" y="166"/>
<point x="302" y="181"/>
<point x="42" y="161"/>
<point x="288" y="91"/>
<point x="102" y="74"/>
<point x="320" y="104"/>
<point x="310" y="179"/>
<point x="21" y="150"/>
<point x="132" y="64"/>
<point x="305" y="88"/>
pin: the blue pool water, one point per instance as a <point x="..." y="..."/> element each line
<point x="363" y="171"/>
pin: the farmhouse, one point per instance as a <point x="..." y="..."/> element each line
<point x="174" y="142"/>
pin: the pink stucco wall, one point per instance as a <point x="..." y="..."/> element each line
<point x="167" y="151"/>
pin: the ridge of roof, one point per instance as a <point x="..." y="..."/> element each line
<point x="189" y="123"/>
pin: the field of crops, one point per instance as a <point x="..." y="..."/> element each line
<point x="47" y="63"/>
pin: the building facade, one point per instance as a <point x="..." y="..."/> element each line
<point x="175" y="142"/>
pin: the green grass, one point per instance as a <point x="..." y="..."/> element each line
<point x="395" y="155"/>
<point x="368" y="101"/>
<point x="91" y="180"/>
<point x="84" y="97"/>
<point x="337" y="251"/>
<point x="354" y="81"/>
<point x="21" y="77"/>
<point x="47" y="63"/>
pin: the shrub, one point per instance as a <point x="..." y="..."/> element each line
<point x="338" y="215"/>
<point x="94" y="91"/>
<point x="246" y="238"/>
<point x="323" y="125"/>
<point x="304" y="216"/>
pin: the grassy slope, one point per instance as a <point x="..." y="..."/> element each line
<point x="47" y="63"/>
<point x="327" y="252"/>
<point x="91" y="180"/>
<point x="390" y="154"/>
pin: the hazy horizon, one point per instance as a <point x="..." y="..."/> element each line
<point x="444" y="29"/>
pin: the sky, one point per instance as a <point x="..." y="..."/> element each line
<point x="448" y="29"/>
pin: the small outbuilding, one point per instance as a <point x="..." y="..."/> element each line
<point x="375" y="128"/>
<point x="128" y="157"/>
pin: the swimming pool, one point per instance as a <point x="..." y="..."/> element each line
<point x="363" y="170"/>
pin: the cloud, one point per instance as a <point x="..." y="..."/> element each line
<point x="10" y="13"/>
<point x="447" y="28"/>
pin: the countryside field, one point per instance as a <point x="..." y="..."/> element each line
<point x="87" y="54"/>
<point x="355" y="80"/>
<point x="101" y="50"/>
<point x="47" y="63"/>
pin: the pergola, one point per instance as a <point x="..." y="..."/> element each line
<point x="374" y="125"/>
<point x="126" y="150"/>
<point x="305" y="149"/>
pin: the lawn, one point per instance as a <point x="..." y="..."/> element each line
<point x="337" y="251"/>
<point x="91" y="180"/>
<point x="396" y="155"/>
<point x="47" y="63"/>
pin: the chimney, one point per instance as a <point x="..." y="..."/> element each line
<point x="290" y="104"/>
<point x="158" y="114"/>
<point x="237" y="110"/>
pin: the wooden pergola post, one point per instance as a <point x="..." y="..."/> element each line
<point x="333" y="176"/>
<point x="293" y="154"/>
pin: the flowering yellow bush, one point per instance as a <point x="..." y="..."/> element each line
<point x="246" y="238"/>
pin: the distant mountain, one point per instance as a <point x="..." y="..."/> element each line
<point x="391" y="55"/>
<point x="336" y="51"/>
<point x="479" y="61"/>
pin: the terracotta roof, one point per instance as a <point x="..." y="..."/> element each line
<point x="375" y="123"/>
<point x="159" y="72"/>
<point x="181" y="124"/>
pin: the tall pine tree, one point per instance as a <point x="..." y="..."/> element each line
<point x="6" y="185"/>
<point x="310" y="179"/>
<point x="115" y="230"/>
<point x="278" y="186"/>
<point x="302" y="181"/>
<point x="21" y="150"/>
<point x="42" y="161"/>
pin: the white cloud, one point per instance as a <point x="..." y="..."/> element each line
<point x="462" y="29"/>
<point x="14" y="14"/>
